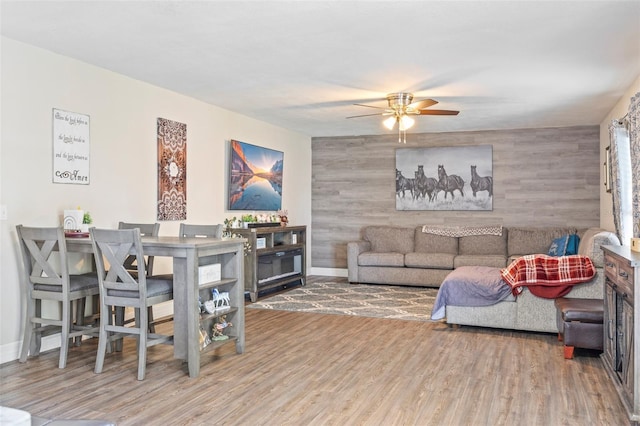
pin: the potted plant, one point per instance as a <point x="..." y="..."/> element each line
<point x="247" y="219"/>
<point x="86" y="221"/>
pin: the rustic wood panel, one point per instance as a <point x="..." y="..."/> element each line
<point x="542" y="177"/>
<point x="314" y="369"/>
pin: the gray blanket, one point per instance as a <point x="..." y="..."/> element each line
<point x="470" y="286"/>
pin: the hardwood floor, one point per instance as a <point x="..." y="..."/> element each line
<point x="313" y="369"/>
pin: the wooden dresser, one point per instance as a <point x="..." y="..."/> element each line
<point x="621" y="354"/>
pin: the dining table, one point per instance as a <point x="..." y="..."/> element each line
<point x="188" y="255"/>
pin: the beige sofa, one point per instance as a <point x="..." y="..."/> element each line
<point x="408" y="256"/>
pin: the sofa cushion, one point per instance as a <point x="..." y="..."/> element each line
<point x="431" y="243"/>
<point x="484" y="244"/>
<point x="572" y="244"/>
<point x="389" y="239"/>
<point x="380" y="259"/>
<point x="558" y="246"/>
<point x="492" y="260"/>
<point x="524" y="240"/>
<point x="429" y="260"/>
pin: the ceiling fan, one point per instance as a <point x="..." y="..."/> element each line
<point x="401" y="109"/>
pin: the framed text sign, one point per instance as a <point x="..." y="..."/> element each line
<point x="70" y="147"/>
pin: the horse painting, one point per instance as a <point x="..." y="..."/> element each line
<point x="403" y="184"/>
<point x="481" y="183"/>
<point x="426" y="178"/>
<point x="448" y="183"/>
<point x="424" y="185"/>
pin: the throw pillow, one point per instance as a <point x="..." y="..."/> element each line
<point x="559" y="246"/>
<point x="572" y="245"/>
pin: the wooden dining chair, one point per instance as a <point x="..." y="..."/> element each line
<point x="202" y="231"/>
<point x="119" y="288"/>
<point x="45" y="276"/>
<point x="146" y="229"/>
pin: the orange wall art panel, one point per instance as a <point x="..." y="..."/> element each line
<point x="172" y="170"/>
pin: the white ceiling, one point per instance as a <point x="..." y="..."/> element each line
<point x="303" y="64"/>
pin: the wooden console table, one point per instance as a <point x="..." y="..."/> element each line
<point x="276" y="256"/>
<point x="621" y="354"/>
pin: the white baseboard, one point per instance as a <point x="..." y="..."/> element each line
<point x="329" y="272"/>
<point x="11" y="351"/>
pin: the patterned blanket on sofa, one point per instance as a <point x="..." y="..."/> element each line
<point x="548" y="276"/>
<point x="462" y="231"/>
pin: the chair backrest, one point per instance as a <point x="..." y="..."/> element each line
<point x="202" y="231"/>
<point x="146" y="229"/>
<point x="118" y="285"/>
<point x="39" y="266"/>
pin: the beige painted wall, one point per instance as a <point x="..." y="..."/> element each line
<point x="617" y="112"/>
<point x="123" y="116"/>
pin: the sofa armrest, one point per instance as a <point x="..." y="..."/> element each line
<point x="592" y="244"/>
<point x="354" y="248"/>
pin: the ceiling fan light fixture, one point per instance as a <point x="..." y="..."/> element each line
<point x="401" y="109"/>
<point x="390" y="122"/>
<point x="406" y="122"/>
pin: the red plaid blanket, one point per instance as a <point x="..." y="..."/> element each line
<point x="548" y="276"/>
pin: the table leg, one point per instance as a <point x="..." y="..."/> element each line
<point x="186" y="315"/>
<point x="179" y="308"/>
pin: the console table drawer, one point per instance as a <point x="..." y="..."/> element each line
<point x="621" y="274"/>
<point x="611" y="267"/>
<point x="625" y="280"/>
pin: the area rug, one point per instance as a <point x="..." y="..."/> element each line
<point x="377" y="301"/>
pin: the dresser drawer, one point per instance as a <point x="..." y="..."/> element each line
<point x="611" y="267"/>
<point x="625" y="279"/>
<point x="621" y="276"/>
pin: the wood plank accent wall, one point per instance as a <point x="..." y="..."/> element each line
<point x="542" y="177"/>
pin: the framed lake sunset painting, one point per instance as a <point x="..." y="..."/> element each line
<point x="255" y="177"/>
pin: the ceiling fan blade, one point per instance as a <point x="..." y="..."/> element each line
<point x="371" y="106"/>
<point x="437" y="112"/>
<point x="422" y="104"/>
<point x="366" y="115"/>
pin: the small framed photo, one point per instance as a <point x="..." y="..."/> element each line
<point x="294" y="238"/>
<point x="261" y="243"/>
